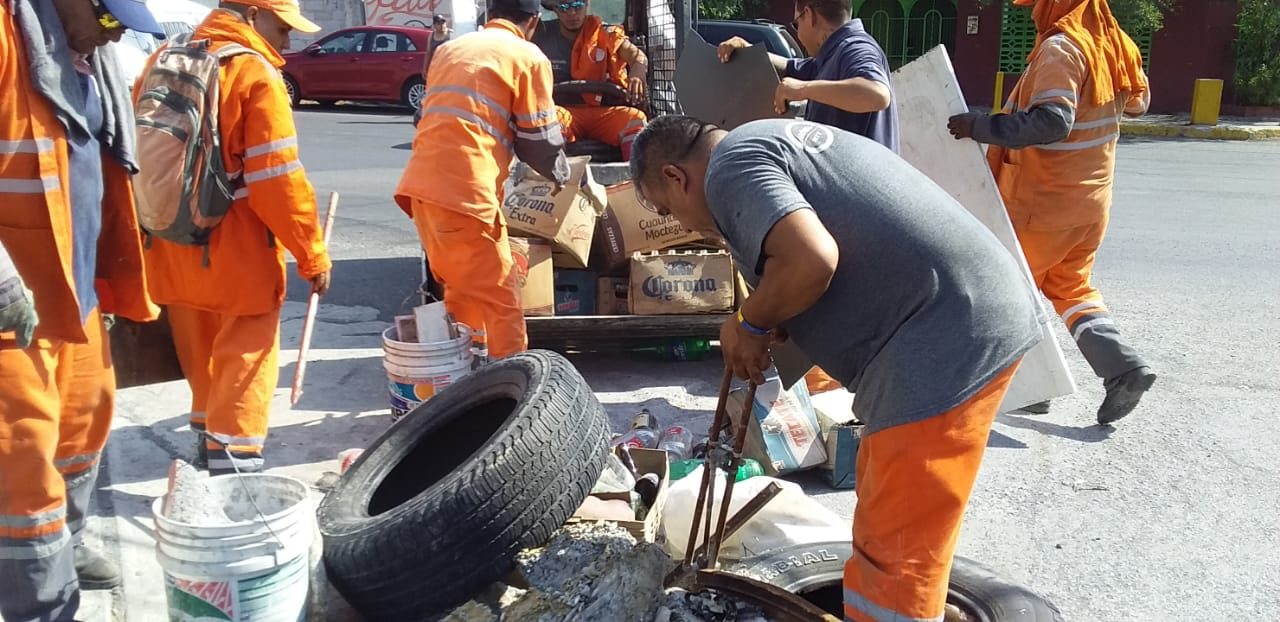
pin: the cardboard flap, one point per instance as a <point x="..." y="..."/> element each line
<point x="726" y="94"/>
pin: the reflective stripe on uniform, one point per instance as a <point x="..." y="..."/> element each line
<point x="242" y="463"/>
<point x="34" y="548"/>
<point x="543" y="133"/>
<point x="876" y="612"/>
<point x="240" y="193"/>
<point x="1082" y="145"/>
<point x="1048" y="94"/>
<point x="1083" y="326"/>
<point x="226" y="439"/>
<point x="20" y="521"/>
<point x="1089" y="304"/>
<point x="1091" y="125"/>
<point x="26" y="145"/>
<point x="273" y="171"/>
<point x="541" y="115"/>
<point x="473" y="118"/>
<point x="275" y="145"/>
<point x="472" y="95"/>
<point x="29" y="186"/>
<point x="63" y="463"/>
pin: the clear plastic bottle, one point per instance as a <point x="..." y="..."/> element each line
<point x="677" y="441"/>
<point x="643" y="433"/>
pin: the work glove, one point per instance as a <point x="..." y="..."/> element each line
<point x="19" y="316"/>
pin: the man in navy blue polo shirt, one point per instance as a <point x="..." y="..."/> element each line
<point x="846" y="82"/>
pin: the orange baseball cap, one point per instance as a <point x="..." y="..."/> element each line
<point x="287" y="10"/>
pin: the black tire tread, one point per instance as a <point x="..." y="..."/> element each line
<point x="519" y="488"/>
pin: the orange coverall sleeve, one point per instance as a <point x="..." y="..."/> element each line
<point x="539" y="139"/>
<point x="280" y="194"/>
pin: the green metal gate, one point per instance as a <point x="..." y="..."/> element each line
<point x="1018" y="36"/>
<point x="906" y="29"/>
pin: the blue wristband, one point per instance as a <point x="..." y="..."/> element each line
<point x="751" y="328"/>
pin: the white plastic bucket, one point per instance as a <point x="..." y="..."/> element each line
<point x="253" y="570"/>
<point x="417" y="371"/>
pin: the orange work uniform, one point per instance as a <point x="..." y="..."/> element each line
<point x="57" y="395"/>
<point x="595" y="58"/>
<point x="488" y="101"/>
<point x="1058" y="194"/>
<point x="225" y="311"/>
<point x="913" y="483"/>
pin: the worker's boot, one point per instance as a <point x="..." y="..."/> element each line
<point x="201" y="459"/>
<point x="1123" y="394"/>
<point x="1041" y="408"/>
<point x="95" y="571"/>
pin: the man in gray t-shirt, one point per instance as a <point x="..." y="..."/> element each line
<point x="885" y="282"/>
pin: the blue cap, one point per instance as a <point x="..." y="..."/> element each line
<point x="135" y="15"/>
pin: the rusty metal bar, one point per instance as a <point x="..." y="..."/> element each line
<point x="707" y="470"/>
<point x="777" y="603"/>
<point x="739" y="441"/>
<point x="744" y="515"/>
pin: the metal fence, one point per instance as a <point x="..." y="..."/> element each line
<point x="666" y="23"/>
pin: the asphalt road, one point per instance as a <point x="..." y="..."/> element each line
<point x="1174" y="515"/>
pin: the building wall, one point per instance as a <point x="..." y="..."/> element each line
<point x="330" y="15"/>
<point x="1197" y="41"/>
<point x="978" y="55"/>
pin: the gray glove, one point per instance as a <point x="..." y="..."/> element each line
<point x="20" y="316"/>
<point x="17" y="308"/>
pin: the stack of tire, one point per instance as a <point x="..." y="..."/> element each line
<point x="437" y="508"/>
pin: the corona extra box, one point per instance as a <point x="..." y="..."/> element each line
<point x="567" y="219"/>
<point x="680" y="282"/>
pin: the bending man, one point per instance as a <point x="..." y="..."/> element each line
<point x="888" y="284"/>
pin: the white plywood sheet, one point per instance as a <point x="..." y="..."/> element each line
<point x="927" y="95"/>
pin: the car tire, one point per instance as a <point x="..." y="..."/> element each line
<point x="291" y="87"/>
<point x="450" y="493"/>
<point x="817" y="572"/>
<point x="412" y="93"/>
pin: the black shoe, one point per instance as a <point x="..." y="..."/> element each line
<point x="1041" y="408"/>
<point x="95" y="571"/>
<point x="1123" y="394"/>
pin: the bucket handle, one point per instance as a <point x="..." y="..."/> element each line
<point x="240" y="478"/>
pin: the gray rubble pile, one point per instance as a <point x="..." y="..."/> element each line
<point x="587" y="571"/>
<point x="708" y="606"/>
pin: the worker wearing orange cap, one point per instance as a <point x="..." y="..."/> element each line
<point x="488" y="100"/>
<point x="224" y="300"/>
<point x="1053" y="152"/>
<point x="582" y="47"/>
<point x="68" y="225"/>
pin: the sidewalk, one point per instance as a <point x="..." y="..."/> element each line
<point x="1179" y="126"/>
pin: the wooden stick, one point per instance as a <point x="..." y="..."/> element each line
<point x="313" y="305"/>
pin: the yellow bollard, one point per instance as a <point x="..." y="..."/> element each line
<point x="1206" y="101"/>
<point x="998" y="102"/>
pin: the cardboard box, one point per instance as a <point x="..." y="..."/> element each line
<point x="575" y="292"/>
<point x="611" y="295"/>
<point x="783" y="433"/>
<point x="843" y="434"/>
<point x="629" y="227"/>
<point x="568" y="219"/>
<point x="647" y="461"/>
<point x="679" y="282"/>
<point x="534" y="275"/>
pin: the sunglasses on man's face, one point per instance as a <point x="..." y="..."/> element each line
<point x="105" y="18"/>
<point x="571" y="6"/>
<point x="795" y="23"/>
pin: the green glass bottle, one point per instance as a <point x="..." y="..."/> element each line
<point x="688" y="349"/>
<point x="748" y="469"/>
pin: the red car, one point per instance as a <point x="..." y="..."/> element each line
<point x="368" y="63"/>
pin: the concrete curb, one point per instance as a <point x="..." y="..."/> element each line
<point x="1203" y="132"/>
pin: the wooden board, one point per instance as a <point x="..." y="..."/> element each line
<point x="927" y="94"/>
